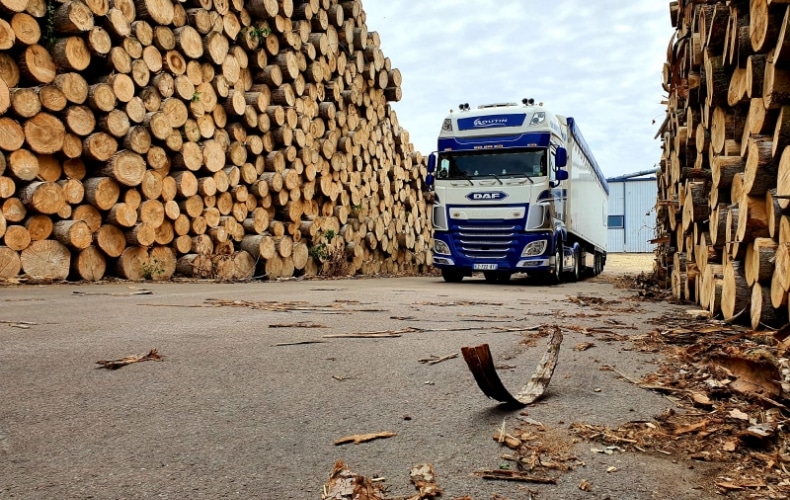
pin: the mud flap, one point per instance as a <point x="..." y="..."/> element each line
<point x="481" y="364"/>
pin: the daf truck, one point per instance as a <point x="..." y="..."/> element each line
<point x="516" y="190"/>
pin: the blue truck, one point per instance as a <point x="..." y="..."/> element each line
<point x="516" y="190"/>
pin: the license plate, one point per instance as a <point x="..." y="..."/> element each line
<point x="486" y="267"/>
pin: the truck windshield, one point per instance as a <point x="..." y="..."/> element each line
<point x="492" y="163"/>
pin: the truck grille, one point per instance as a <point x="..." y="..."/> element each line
<point x="486" y="242"/>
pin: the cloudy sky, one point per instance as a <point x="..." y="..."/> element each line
<point x="599" y="62"/>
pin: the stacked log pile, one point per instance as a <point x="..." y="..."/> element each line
<point x="724" y="187"/>
<point x="204" y="138"/>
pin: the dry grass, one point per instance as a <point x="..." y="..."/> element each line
<point x="629" y="263"/>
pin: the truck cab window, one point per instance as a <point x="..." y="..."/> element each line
<point x="482" y="164"/>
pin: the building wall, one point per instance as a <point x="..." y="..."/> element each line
<point x="634" y="200"/>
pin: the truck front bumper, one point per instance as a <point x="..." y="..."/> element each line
<point x="513" y="262"/>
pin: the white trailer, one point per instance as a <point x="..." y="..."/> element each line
<point x="517" y="190"/>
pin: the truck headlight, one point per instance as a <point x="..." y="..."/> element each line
<point x="447" y="125"/>
<point x="537" y="118"/>
<point x="440" y="247"/>
<point x="534" y="249"/>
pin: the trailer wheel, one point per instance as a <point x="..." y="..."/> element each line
<point x="575" y="275"/>
<point x="452" y="276"/>
<point x="598" y="267"/>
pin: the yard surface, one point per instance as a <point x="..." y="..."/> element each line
<point x="255" y="386"/>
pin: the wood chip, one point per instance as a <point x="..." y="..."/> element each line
<point x="363" y="438"/>
<point x="304" y="342"/>
<point x="152" y="355"/>
<point x="433" y="359"/>
<point x="509" y="475"/>
<point x="506" y="439"/>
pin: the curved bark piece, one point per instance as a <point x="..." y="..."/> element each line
<point x="481" y="365"/>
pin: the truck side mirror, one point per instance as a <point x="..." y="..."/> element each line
<point x="431" y="163"/>
<point x="561" y="175"/>
<point x="429" y="180"/>
<point x="561" y="158"/>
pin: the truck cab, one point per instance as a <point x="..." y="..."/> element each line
<point x="500" y="194"/>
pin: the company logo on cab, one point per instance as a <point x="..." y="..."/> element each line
<point x="487" y="196"/>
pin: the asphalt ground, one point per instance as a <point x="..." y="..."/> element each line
<point x="230" y="413"/>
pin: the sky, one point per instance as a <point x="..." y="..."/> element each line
<point x="599" y="62"/>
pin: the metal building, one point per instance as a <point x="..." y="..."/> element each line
<point x="632" y="216"/>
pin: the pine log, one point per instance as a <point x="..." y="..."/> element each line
<point x="17" y="237"/>
<point x="132" y="264"/>
<point x="23" y="165"/>
<point x="776" y="87"/>
<point x="44" y="133"/>
<point x="89" y="214"/>
<point x="101" y="192"/>
<point x="10" y="263"/>
<point x="110" y="240"/>
<point x="761" y="168"/>
<point x="74" y="234"/>
<point x="759" y="261"/>
<point x="762" y="311"/>
<point x="43" y="197"/>
<point x="736" y="294"/>
<point x="39" y="227"/>
<point x="778" y="294"/>
<point x="46" y="260"/>
<point x="89" y="264"/>
<point x="752" y="219"/>
<point x="126" y="167"/>
<point x="162" y="264"/>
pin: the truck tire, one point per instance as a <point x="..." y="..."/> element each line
<point x="598" y="264"/>
<point x="575" y="274"/>
<point x="452" y="276"/>
<point x="556" y="276"/>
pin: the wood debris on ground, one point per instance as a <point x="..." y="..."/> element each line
<point x="364" y="438"/>
<point x="434" y="359"/>
<point x="511" y="475"/>
<point x="480" y="363"/>
<point x="536" y="452"/>
<point x="336" y="307"/>
<point x="397" y="333"/>
<point x="603" y="334"/>
<point x="115" y="294"/>
<point x="608" y="305"/>
<point x="424" y="479"/>
<point x="729" y="385"/>
<point x="302" y="342"/>
<point x="460" y="303"/>
<point x="300" y="324"/>
<point x="152" y="355"/>
<point x="24" y="325"/>
<point x="344" y="484"/>
<point x="647" y="286"/>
